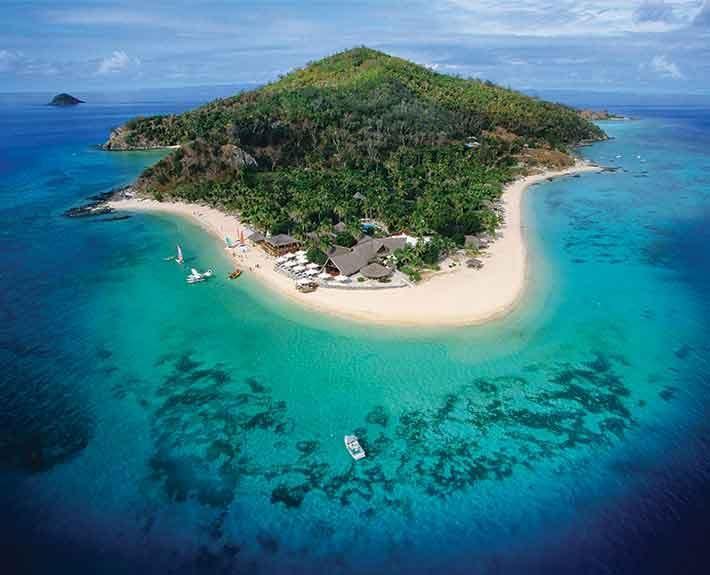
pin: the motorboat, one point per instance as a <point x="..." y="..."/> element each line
<point x="352" y="444"/>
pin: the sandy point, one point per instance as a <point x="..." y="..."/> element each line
<point x="454" y="297"/>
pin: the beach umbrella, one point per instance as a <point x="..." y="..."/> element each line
<point x="298" y="269"/>
<point x="325" y="276"/>
<point x="300" y="253"/>
<point x="313" y="266"/>
<point x="311" y="272"/>
<point x="289" y="264"/>
<point x="342" y="279"/>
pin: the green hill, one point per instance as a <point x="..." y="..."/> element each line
<point x="357" y="134"/>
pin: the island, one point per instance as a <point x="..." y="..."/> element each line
<point x="64" y="99"/>
<point x="360" y="174"/>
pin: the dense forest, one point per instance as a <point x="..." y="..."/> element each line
<point x="357" y="135"/>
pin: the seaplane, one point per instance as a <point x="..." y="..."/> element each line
<point x="196" y="277"/>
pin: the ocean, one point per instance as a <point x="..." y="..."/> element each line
<point x="148" y="426"/>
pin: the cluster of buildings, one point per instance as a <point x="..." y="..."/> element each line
<point x="369" y="257"/>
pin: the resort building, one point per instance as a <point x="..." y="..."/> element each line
<point x="255" y="237"/>
<point x="280" y="244"/>
<point x="347" y="262"/>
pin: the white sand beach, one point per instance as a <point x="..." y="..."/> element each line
<point x="455" y="297"/>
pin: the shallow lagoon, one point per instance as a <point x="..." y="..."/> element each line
<point x="199" y="428"/>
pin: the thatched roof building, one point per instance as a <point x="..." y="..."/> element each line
<point x="365" y="251"/>
<point x="375" y="271"/>
<point x="280" y="244"/>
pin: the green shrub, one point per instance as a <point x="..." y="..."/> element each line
<point x="316" y="256"/>
<point x="345" y="239"/>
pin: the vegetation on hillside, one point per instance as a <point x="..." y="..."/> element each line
<point x="357" y="135"/>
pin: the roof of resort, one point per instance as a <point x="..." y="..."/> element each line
<point x="256" y="237"/>
<point x="337" y="251"/>
<point x="472" y="242"/>
<point x="375" y="271"/>
<point x="281" y="240"/>
<point x="353" y="260"/>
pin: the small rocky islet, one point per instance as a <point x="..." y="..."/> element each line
<point x="63" y="100"/>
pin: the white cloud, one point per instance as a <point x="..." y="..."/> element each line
<point x="568" y="17"/>
<point x="9" y="60"/>
<point x="94" y="17"/>
<point x="117" y="62"/>
<point x="666" y="68"/>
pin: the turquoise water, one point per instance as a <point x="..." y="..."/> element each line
<point x="154" y="426"/>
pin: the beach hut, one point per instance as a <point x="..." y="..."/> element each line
<point x="280" y="244"/>
<point x="375" y="271"/>
<point x="255" y="237"/>
<point x="472" y="242"/>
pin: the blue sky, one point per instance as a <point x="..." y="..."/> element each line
<point x="600" y="45"/>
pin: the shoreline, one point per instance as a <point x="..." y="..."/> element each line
<point x="447" y="298"/>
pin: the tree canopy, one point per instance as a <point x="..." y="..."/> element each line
<point x="359" y="134"/>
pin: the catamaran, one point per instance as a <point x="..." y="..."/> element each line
<point x="179" y="259"/>
<point x="352" y="444"/>
<point x="196" y="277"/>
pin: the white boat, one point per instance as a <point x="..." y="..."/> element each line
<point x="179" y="259"/>
<point x="196" y="277"/>
<point x="352" y="444"/>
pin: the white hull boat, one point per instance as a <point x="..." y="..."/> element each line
<point x="352" y="444"/>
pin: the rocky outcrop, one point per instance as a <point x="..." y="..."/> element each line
<point x="599" y="115"/>
<point x="198" y="160"/>
<point x="97" y="205"/>
<point x="123" y="139"/>
<point x="237" y="158"/>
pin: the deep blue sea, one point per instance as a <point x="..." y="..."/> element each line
<point x="148" y="426"/>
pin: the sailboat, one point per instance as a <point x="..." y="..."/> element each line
<point x="179" y="259"/>
<point x="196" y="277"/>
